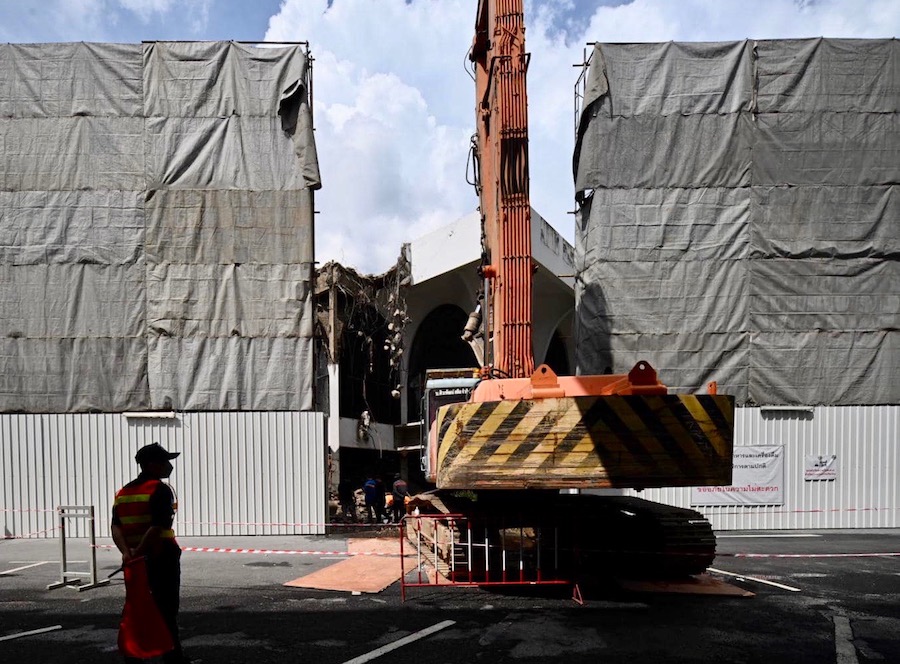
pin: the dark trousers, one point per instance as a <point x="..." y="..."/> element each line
<point x="399" y="509"/>
<point x="378" y="509"/>
<point x="164" y="577"/>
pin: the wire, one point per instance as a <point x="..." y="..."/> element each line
<point x="467" y="64"/>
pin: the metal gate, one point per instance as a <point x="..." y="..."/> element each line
<point x="460" y="555"/>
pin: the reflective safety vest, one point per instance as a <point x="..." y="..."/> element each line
<point x="132" y="506"/>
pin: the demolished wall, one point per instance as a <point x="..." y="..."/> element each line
<point x="741" y="217"/>
<point x="362" y="318"/>
<point x="155" y="227"/>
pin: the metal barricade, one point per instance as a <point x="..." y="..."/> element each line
<point x="66" y="575"/>
<point x="493" y="556"/>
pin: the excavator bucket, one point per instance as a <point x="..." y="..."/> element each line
<point x="594" y="441"/>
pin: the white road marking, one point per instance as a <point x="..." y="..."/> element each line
<point x="399" y="643"/>
<point x="753" y="578"/>
<point x="844" y="649"/>
<point x="19" y="569"/>
<point x="22" y="562"/>
<point x="766" y="536"/>
<point x="9" y="637"/>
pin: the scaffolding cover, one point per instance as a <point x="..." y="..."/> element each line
<point x="741" y="217"/>
<point x="156" y="212"/>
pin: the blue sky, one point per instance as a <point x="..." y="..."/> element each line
<point x="394" y="105"/>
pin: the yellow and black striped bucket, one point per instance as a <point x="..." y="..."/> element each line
<point x="586" y="442"/>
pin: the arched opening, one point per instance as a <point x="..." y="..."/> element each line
<point x="366" y="376"/>
<point x="557" y="357"/>
<point x="437" y="345"/>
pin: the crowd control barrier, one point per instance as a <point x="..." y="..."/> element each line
<point x="68" y="577"/>
<point x="460" y="555"/>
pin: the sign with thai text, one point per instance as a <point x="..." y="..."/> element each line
<point x="757" y="479"/>
<point x="820" y="467"/>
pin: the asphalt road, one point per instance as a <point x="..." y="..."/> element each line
<point x="236" y="610"/>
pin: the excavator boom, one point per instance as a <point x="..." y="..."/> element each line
<point x="501" y="63"/>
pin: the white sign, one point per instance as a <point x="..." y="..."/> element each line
<point x="820" y="467"/>
<point x="757" y="479"/>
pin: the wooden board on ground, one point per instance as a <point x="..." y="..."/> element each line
<point x="360" y="573"/>
<point x="701" y="584"/>
<point x="374" y="545"/>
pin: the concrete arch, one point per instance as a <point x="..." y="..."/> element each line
<point x="558" y="349"/>
<point x="436" y="345"/>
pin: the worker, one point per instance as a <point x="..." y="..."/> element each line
<point x="370" y="490"/>
<point x="347" y="500"/>
<point x="143" y="512"/>
<point x="380" y="500"/>
<point x="400" y="494"/>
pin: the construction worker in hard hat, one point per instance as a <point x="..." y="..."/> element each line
<point x="143" y="513"/>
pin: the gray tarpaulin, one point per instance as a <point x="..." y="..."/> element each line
<point x="741" y="217"/>
<point x="155" y="227"/>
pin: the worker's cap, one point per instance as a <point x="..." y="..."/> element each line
<point x="154" y="452"/>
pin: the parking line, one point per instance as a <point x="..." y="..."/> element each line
<point x="757" y="580"/>
<point x="844" y="650"/>
<point x="767" y="536"/>
<point x="415" y="636"/>
<point x="19" y="569"/>
<point x="10" y="637"/>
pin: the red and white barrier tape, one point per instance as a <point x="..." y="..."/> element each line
<point x="30" y="535"/>
<point x="808" y="555"/>
<point x="24" y="510"/>
<point x="285" y="524"/>
<point x="278" y="552"/>
<point x="284" y="552"/>
<point x="710" y="510"/>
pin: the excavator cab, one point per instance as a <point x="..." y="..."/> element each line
<point x="443" y="387"/>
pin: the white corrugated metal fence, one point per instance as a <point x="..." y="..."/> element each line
<point x="865" y="493"/>
<point x="240" y="473"/>
<point x="264" y="473"/>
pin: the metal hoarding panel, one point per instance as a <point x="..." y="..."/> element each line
<point x="864" y="493"/>
<point x="249" y="473"/>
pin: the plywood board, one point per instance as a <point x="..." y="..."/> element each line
<point x="363" y="574"/>
<point x="375" y="545"/>
<point x="359" y="573"/>
<point x="701" y="584"/>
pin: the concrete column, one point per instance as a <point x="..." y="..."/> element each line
<point x="334" y="408"/>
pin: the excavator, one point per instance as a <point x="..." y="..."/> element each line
<point x="511" y="447"/>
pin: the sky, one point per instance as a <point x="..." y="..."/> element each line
<point x="394" y="103"/>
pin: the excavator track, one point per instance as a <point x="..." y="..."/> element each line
<point x="579" y="537"/>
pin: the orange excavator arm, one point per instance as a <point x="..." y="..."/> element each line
<point x="501" y="63"/>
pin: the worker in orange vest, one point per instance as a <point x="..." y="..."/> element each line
<point x="143" y="513"/>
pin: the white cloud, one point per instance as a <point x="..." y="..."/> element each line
<point x="31" y="18"/>
<point x="725" y="20"/>
<point x="395" y="107"/>
<point x="392" y="108"/>
<point x="146" y="8"/>
<point x="196" y="11"/>
<point x="105" y="20"/>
